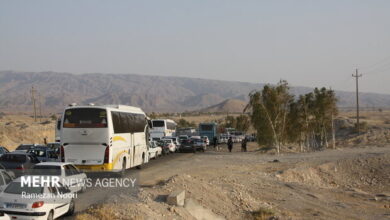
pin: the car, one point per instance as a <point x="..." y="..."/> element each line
<point x="223" y="139"/>
<point x="70" y="175"/>
<point x="10" y="172"/>
<point x="44" y="154"/>
<point x="206" y="140"/>
<point x="3" y="150"/>
<point x="156" y="139"/>
<point x="164" y="146"/>
<point x="170" y="143"/>
<point x="199" y="144"/>
<point x="154" y="150"/>
<point x="48" y="201"/>
<point x="235" y="139"/>
<point x="183" y="137"/>
<point x="25" y="147"/>
<point x="55" y="146"/>
<point x="18" y="162"/>
<point x="5" y="178"/>
<point x="4" y="216"/>
<point x="187" y="146"/>
<point x="176" y="141"/>
<point x="250" y="138"/>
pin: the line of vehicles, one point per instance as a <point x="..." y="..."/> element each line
<point x="90" y="138"/>
<point x="45" y="199"/>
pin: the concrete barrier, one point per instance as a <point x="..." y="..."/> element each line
<point x="177" y="198"/>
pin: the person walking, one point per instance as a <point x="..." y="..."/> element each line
<point x="243" y="145"/>
<point x="215" y="142"/>
<point x="230" y="144"/>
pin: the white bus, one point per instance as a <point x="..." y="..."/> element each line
<point x="104" y="138"/>
<point x="162" y="128"/>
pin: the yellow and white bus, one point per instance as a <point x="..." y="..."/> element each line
<point x="104" y="138"/>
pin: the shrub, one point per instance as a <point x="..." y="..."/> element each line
<point x="53" y="117"/>
<point x="363" y="126"/>
<point x="263" y="214"/>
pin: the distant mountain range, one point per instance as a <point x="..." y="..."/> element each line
<point x="151" y="93"/>
<point x="228" y="105"/>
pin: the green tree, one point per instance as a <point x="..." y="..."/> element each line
<point x="268" y="110"/>
<point x="153" y="115"/>
<point x="53" y="117"/>
<point x="182" y="123"/>
<point x="230" y="122"/>
<point x="311" y="119"/>
<point x="242" y="123"/>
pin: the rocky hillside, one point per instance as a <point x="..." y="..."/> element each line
<point x="228" y="105"/>
<point x="152" y="93"/>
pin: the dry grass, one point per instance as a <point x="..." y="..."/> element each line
<point x="103" y="213"/>
<point x="263" y="214"/>
<point x="21" y="129"/>
<point x="372" y="118"/>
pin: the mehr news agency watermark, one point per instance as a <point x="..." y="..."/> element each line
<point x="57" y="182"/>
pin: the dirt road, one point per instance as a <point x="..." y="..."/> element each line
<point x="349" y="183"/>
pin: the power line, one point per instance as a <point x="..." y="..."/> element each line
<point x="378" y="70"/>
<point x="375" y="64"/>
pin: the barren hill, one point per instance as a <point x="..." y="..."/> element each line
<point x="152" y="93"/>
<point x="228" y="105"/>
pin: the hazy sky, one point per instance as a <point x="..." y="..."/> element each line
<point x="309" y="43"/>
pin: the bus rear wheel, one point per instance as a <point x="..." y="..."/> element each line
<point x="123" y="170"/>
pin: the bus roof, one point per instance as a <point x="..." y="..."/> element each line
<point x="208" y="123"/>
<point x="168" y="120"/>
<point x="112" y="107"/>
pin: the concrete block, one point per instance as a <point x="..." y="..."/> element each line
<point x="177" y="198"/>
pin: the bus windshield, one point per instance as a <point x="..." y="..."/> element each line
<point x="158" y="123"/>
<point x="85" y="118"/>
<point x="206" y="127"/>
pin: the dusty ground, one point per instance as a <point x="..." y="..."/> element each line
<point x="22" y="129"/>
<point x="349" y="183"/>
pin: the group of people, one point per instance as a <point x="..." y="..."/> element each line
<point x="230" y="144"/>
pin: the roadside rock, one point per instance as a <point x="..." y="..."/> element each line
<point x="177" y="198"/>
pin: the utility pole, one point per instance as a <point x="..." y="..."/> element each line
<point x="357" y="100"/>
<point x="33" y="91"/>
<point x="40" y="107"/>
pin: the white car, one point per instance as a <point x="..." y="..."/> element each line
<point x="5" y="178"/>
<point x="223" y="139"/>
<point x="4" y="216"/>
<point x="176" y="141"/>
<point x="69" y="175"/>
<point x="154" y="150"/>
<point x="170" y="144"/>
<point x="49" y="201"/>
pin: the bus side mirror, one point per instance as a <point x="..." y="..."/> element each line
<point x="150" y="124"/>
